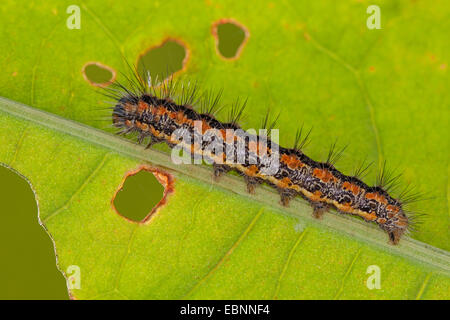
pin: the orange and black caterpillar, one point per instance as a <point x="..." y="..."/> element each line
<point x="151" y="112"/>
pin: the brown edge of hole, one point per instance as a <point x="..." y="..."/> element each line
<point x="101" y="65"/>
<point x="162" y="43"/>
<point x="164" y="178"/>
<point x="216" y="37"/>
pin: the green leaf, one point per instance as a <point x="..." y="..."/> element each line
<point x="382" y="90"/>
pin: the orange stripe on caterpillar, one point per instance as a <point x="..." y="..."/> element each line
<point x="324" y="175"/>
<point x="291" y="161"/>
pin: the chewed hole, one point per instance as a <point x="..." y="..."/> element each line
<point x="28" y="268"/>
<point x="139" y="195"/>
<point x="162" y="61"/>
<point x="98" y="74"/>
<point x="230" y="38"/>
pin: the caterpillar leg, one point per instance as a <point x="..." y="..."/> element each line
<point x="251" y="184"/>
<point x="220" y="169"/>
<point x="286" y="196"/>
<point x="395" y="235"/>
<point x="141" y="137"/>
<point x="153" y="140"/>
<point x="319" y="209"/>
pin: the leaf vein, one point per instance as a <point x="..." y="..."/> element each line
<point x="122" y="263"/>
<point x="287" y="262"/>
<point x="349" y="269"/>
<point x="423" y="286"/>
<point x="80" y="188"/>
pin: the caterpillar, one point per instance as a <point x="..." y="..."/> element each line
<point x="164" y="112"/>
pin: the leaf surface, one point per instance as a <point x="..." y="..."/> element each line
<point x="382" y="90"/>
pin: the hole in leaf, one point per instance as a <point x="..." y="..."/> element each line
<point x="140" y="194"/>
<point x="28" y="269"/>
<point x="98" y="74"/>
<point x="230" y="38"/>
<point x="162" y="61"/>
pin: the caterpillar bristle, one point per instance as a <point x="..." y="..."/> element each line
<point x="189" y="93"/>
<point x="334" y="155"/>
<point x="236" y="112"/>
<point x="301" y="142"/>
<point x="410" y="194"/>
<point x="362" y="169"/>
<point x="267" y="124"/>
<point x="387" y="179"/>
<point x="415" y="220"/>
<point x="209" y="104"/>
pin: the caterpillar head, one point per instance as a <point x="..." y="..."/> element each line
<point x="117" y="115"/>
<point x="396" y="224"/>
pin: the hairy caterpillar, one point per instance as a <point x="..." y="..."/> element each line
<point x="151" y="112"/>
